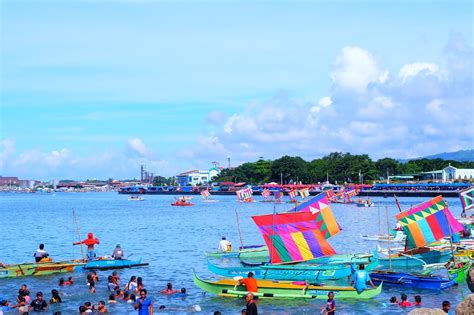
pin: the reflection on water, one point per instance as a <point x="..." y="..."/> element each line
<point x="173" y="240"/>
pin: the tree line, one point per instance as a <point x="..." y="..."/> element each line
<point x="340" y="167"/>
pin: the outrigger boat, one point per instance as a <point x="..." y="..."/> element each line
<point x="244" y="252"/>
<point x="103" y="264"/>
<point x="39" y="269"/>
<point x="424" y="224"/>
<point x="411" y="280"/>
<point x="283" y="290"/>
<point x="300" y="272"/>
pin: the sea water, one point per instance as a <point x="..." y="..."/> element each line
<point x="173" y="240"/>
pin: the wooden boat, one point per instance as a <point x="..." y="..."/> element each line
<point x="245" y="252"/>
<point x="301" y="272"/>
<point x="113" y="264"/>
<point x="411" y="280"/>
<point x="283" y="290"/>
<point x="415" y="258"/>
<point x="39" y="269"/>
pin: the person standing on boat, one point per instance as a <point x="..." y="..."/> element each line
<point x="90" y="241"/>
<point x="40" y="253"/>
<point x="118" y="252"/>
<point x="224" y="245"/>
<point x="360" y="279"/>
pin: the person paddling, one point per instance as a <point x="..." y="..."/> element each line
<point x="90" y="241"/>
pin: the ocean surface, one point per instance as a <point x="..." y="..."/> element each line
<point x="173" y="240"/>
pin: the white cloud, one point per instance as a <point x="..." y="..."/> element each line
<point x="355" y="69"/>
<point x="418" y="68"/>
<point x="136" y="146"/>
<point x="325" y="101"/>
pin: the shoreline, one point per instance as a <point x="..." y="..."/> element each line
<point x="364" y="193"/>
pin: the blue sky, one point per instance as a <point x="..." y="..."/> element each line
<point x="93" y="89"/>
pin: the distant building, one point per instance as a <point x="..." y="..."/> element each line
<point x="9" y="181"/>
<point x="447" y="174"/>
<point x="451" y="173"/>
<point x="197" y="177"/>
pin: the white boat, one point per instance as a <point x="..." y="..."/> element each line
<point x="400" y="237"/>
<point x="136" y="198"/>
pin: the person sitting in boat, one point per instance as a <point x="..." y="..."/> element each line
<point x="360" y="201"/>
<point x="40" y="253"/>
<point x="169" y="289"/>
<point x="183" y="199"/>
<point x="250" y="283"/>
<point x="90" y="241"/>
<point x="368" y="202"/>
<point x="118" y="252"/>
<point x="224" y="245"/>
<point x="360" y="279"/>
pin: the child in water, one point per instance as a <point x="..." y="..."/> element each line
<point x="417" y="300"/>
<point x="55" y="298"/>
<point x="404" y="301"/>
<point x="330" y="306"/>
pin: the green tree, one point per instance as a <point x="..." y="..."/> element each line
<point x="289" y="169"/>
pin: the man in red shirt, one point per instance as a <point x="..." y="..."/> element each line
<point x="250" y="283"/>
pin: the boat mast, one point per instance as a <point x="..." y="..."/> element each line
<point x="238" y="229"/>
<point x="388" y="231"/>
<point x="78" y="231"/>
<point x="450" y="233"/>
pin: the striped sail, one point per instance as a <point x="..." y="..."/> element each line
<point x="467" y="198"/>
<point x="293" y="236"/>
<point x="428" y="222"/>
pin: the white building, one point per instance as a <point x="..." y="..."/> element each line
<point x="197" y="177"/>
<point x="451" y="173"/>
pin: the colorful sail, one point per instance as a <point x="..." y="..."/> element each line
<point x="351" y="193"/>
<point x="278" y="194"/>
<point x="293" y="194"/>
<point x="467" y="198"/>
<point x="205" y="194"/>
<point x="304" y="193"/>
<point x="266" y="193"/>
<point x="245" y="194"/>
<point x="428" y="222"/>
<point x="319" y="205"/>
<point x="293" y="236"/>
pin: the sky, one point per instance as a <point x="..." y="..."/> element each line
<point x="94" y="89"/>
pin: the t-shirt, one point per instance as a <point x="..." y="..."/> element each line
<point x="131" y="287"/>
<point x="360" y="279"/>
<point x="111" y="286"/>
<point x="143" y="308"/>
<point x="39" y="306"/>
<point x="331" y="304"/>
<point x="40" y="254"/>
<point x="223" y="245"/>
<point x="252" y="309"/>
<point x="404" y="303"/>
<point x="250" y="284"/>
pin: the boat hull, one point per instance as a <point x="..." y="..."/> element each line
<point x="39" y="269"/>
<point x="259" y="252"/>
<point x="283" y="290"/>
<point x="412" y="281"/>
<point x="416" y="260"/>
<point x="113" y="264"/>
<point x="300" y="272"/>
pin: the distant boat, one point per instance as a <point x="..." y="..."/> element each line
<point x="136" y="198"/>
<point x="206" y="196"/>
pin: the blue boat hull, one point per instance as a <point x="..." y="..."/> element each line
<point x="299" y="272"/>
<point x="113" y="264"/>
<point x="412" y="281"/>
<point x="417" y="260"/>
